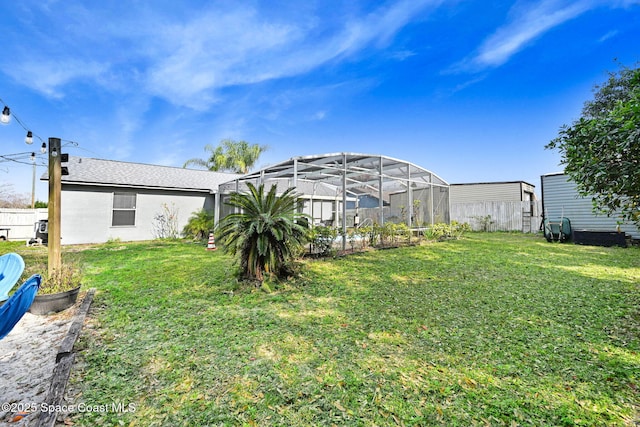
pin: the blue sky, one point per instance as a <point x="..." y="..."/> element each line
<point x="471" y="90"/>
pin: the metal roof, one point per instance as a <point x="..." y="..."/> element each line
<point x="357" y="173"/>
<point x="89" y="171"/>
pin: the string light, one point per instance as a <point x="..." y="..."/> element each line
<point x="6" y="115"/>
<point x="6" y="118"/>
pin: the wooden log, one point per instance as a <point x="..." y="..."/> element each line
<point x="64" y="362"/>
<point x="56" y="392"/>
<point x="74" y="330"/>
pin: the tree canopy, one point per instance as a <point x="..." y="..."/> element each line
<point x="9" y="199"/>
<point x="230" y="155"/>
<point x="601" y="150"/>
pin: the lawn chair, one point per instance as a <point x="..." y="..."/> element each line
<point x="11" y="268"/>
<point x="17" y="305"/>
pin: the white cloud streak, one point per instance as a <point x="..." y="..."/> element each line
<point x="526" y="22"/>
<point x="237" y="47"/>
<point x="188" y="57"/>
<point x="47" y="76"/>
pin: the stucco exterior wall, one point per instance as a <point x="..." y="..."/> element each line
<point x="87" y="212"/>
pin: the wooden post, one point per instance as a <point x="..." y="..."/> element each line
<point x="33" y="181"/>
<point x="55" y="187"/>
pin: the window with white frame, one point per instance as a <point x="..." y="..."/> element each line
<point x="124" y="209"/>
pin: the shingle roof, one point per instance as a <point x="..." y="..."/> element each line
<point x="89" y="171"/>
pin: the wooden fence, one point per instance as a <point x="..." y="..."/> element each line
<point x="499" y="216"/>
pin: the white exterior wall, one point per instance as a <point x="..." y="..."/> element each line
<point x="87" y="213"/>
<point x="560" y="198"/>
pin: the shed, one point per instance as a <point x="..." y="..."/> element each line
<point x="502" y="205"/>
<point x="560" y="198"/>
<point x="505" y="191"/>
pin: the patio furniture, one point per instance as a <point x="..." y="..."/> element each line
<point x="11" y="268"/>
<point x="17" y="305"/>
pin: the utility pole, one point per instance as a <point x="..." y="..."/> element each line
<point x="55" y="187"/>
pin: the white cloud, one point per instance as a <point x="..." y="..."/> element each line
<point x="188" y="57"/>
<point x="607" y="36"/>
<point x="527" y="21"/>
<point x="237" y="47"/>
<point x="48" y="77"/>
<point x="319" y="115"/>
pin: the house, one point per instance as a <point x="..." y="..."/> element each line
<point x="103" y="200"/>
<point x="106" y="199"/>
<point x="490" y="206"/>
<point x="331" y="187"/>
<point x="560" y="198"/>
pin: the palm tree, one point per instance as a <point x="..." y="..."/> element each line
<point x="266" y="233"/>
<point x="230" y="155"/>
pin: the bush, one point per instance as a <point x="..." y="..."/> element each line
<point x="199" y="225"/>
<point x="322" y="239"/>
<point x="165" y="223"/>
<point x="444" y="231"/>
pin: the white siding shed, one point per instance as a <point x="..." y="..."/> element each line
<point x="560" y="198"/>
<point x="513" y="191"/>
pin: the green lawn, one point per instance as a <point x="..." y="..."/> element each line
<point x="493" y="329"/>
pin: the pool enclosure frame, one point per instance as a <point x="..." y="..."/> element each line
<point x="394" y="190"/>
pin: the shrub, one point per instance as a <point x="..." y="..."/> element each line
<point x="165" y="223"/>
<point x="199" y="225"/>
<point x="443" y="231"/>
<point x="322" y="239"/>
<point x="266" y="233"/>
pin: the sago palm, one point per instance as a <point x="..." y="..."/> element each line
<point x="266" y="232"/>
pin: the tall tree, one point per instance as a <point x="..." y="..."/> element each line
<point x="601" y="150"/>
<point x="9" y="199"/>
<point x="266" y="233"/>
<point x="230" y="155"/>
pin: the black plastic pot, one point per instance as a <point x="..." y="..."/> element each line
<point x="54" y="303"/>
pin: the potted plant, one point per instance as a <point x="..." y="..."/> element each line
<point x="58" y="290"/>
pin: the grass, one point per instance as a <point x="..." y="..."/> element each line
<point x="494" y="329"/>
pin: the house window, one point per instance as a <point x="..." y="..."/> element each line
<point x="124" y="209"/>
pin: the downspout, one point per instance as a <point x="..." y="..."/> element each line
<point x="235" y="208"/>
<point x="216" y="207"/>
